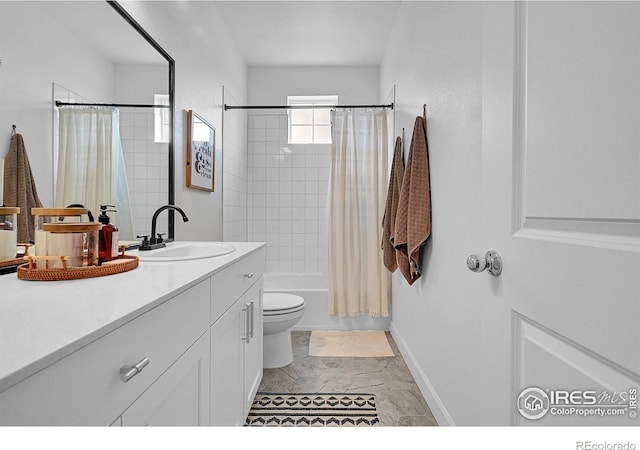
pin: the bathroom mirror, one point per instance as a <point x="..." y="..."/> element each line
<point x="94" y="52"/>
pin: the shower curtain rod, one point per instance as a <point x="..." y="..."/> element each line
<point x="112" y="105"/>
<point x="228" y="107"/>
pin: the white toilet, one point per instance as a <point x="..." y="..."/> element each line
<point x="281" y="313"/>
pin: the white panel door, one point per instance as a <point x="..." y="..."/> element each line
<point x="561" y="185"/>
<point x="227" y="366"/>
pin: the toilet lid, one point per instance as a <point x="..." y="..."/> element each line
<point x="276" y="301"/>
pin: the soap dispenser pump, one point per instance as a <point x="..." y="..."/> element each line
<point x="108" y="236"/>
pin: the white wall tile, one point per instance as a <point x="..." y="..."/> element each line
<point x="271" y="204"/>
<point x="297" y="240"/>
<point x="287" y="193"/>
<point x="311" y="186"/>
<point x="284" y="253"/>
<point x="259" y="122"/>
<point x="272" y="265"/>
<point x="311" y="173"/>
<point x="272" y="121"/>
<point x="298" y="160"/>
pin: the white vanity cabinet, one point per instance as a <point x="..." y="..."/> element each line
<point x="236" y="339"/>
<point x="86" y="387"/>
<point x="180" y="397"/>
<point x="199" y="362"/>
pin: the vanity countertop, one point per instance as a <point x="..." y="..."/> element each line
<point x="41" y="322"/>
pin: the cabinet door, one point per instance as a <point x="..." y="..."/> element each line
<point x="227" y="361"/>
<point x="180" y="397"/>
<point x="253" y="346"/>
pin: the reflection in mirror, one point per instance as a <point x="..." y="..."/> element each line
<point x="115" y="156"/>
<point x="201" y="139"/>
<point x="88" y="52"/>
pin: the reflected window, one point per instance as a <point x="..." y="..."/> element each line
<point x="161" y="127"/>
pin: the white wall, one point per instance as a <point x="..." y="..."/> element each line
<point x="203" y="66"/>
<point x="29" y="67"/>
<point x="235" y="182"/>
<point x="434" y="57"/>
<point x="271" y="85"/>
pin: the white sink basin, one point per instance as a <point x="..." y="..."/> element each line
<point x="182" y="251"/>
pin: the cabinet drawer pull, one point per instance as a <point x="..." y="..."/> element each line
<point x="251" y="313"/>
<point x="247" y="318"/>
<point x="248" y="275"/>
<point x="128" y="372"/>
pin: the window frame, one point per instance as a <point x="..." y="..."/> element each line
<point x="313" y="101"/>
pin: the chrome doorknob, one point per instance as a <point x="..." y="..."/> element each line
<point x="476" y="263"/>
<point x="491" y="261"/>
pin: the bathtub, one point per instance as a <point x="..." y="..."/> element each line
<point x="313" y="287"/>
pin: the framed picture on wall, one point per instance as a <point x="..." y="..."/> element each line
<point x="201" y="143"/>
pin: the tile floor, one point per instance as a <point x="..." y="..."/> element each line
<point x="399" y="400"/>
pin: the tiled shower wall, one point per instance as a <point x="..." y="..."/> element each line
<point x="147" y="165"/>
<point x="287" y="196"/>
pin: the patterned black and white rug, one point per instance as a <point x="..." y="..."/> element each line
<point x="320" y="410"/>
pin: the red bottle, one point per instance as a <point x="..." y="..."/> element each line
<point x="108" y="236"/>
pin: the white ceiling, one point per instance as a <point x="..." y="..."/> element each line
<point x="98" y="26"/>
<point x="267" y="33"/>
<point x="309" y="33"/>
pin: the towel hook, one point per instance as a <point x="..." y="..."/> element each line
<point x="402" y="140"/>
<point x="13" y="130"/>
<point x="424" y="111"/>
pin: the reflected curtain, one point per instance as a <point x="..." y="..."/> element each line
<point x="91" y="168"/>
<point x="359" y="284"/>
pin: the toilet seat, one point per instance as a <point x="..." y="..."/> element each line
<point x="282" y="312"/>
<point x="278" y="303"/>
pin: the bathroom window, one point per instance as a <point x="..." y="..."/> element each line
<point x="161" y="118"/>
<point x="313" y="125"/>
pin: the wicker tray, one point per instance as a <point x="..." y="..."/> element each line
<point x="10" y="262"/>
<point x="28" y="271"/>
<point x="16" y="261"/>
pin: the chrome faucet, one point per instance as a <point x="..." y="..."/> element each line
<point x="154" y="241"/>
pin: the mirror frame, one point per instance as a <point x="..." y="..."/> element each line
<point x="171" y="176"/>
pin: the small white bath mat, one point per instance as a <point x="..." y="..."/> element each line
<point x="349" y="343"/>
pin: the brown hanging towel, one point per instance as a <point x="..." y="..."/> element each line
<point x="20" y="187"/>
<point x="391" y="208"/>
<point x="413" y="219"/>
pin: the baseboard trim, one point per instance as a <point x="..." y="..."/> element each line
<point x="426" y="388"/>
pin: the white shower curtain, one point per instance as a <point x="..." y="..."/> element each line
<point x="91" y="167"/>
<point x="359" y="284"/>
